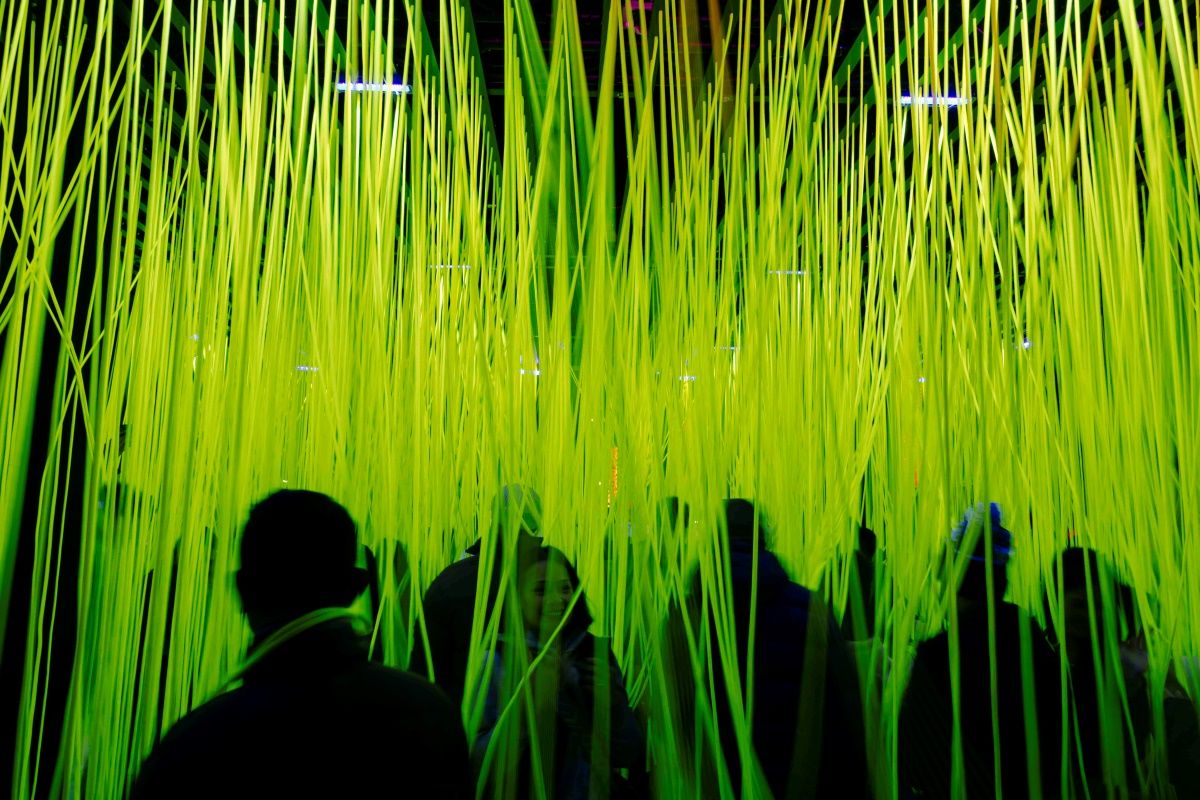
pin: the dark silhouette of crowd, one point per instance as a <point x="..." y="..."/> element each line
<point x="1000" y="706"/>
<point x="774" y="689"/>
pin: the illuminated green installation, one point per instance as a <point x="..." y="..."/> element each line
<point x="950" y="263"/>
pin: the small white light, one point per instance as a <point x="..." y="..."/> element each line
<point x="303" y="368"/>
<point x="921" y="379"/>
<point x="449" y="266"/>
<point x="687" y="378"/>
<point x="1027" y="344"/>
<point x="374" y="86"/>
<point x="729" y="347"/>
<point x="786" y="272"/>
<point x="931" y="100"/>
<point x="195" y="337"/>
<point x="533" y="372"/>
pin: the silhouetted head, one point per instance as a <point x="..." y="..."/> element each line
<point x="299" y="553"/>
<point x="863" y="581"/>
<point x="516" y="533"/>
<point x="741" y="517"/>
<point x="676" y="514"/>
<point x="981" y="527"/>
<point x="864" y="557"/>
<point x="867" y="543"/>
<point x="1091" y="592"/>
<point x="518" y="508"/>
<point x="516" y="521"/>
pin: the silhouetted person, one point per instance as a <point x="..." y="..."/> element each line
<point x="449" y="602"/>
<point x="858" y="618"/>
<point x="927" y="716"/>
<point x="1112" y="722"/>
<point x="806" y="728"/>
<point x="868" y="650"/>
<point x="313" y="717"/>
<point x="858" y="621"/>
<point x="572" y="708"/>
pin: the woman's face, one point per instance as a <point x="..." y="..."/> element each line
<point x="545" y="594"/>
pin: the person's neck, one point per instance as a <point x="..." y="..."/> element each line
<point x="304" y="621"/>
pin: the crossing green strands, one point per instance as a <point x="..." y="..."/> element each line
<point x="731" y="272"/>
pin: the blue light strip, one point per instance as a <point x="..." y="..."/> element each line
<point x="930" y="100"/>
<point x="369" y="86"/>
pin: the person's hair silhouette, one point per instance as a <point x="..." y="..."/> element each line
<point x="313" y="717"/>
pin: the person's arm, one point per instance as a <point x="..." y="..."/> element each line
<point x="179" y="763"/>
<point x="547" y="685"/>
<point x="925" y="728"/>
<point x="1183" y="746"/>
<point x="625" y="735"/>
<point x="150" y="782"/>
<point x="458" y="764"/>
<point x="846" y="686"/>
<point x="431" y="644"/>
<point x="491" y="710"/>
<point x="542" y="687"/>
<point x="629" y="746"/>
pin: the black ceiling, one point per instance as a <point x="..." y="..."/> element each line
<point x="852" y="75"/>
<point x="488" y="23"/>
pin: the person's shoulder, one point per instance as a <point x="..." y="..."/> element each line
<point x="792" y="603"/>
<point x="226" y="710"/>
<point x="581" y="643"/>
<point x="207" y="734"/>
<point x="458" y="577"/>
<point x="409" y="710"/>
<point x="801" y="596"/>
<point x="1013" y="625"/>
<point x="401" y="712"/>
<point x="404" y="688"/>
<point x="1010" y="617"/>
<point x="748" y="565"/>
<point x="933" y="653"/>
